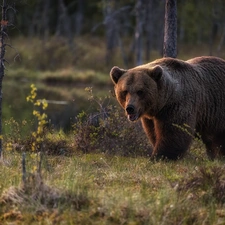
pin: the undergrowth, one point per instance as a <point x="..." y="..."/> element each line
<point x="107" y="130"/>
<point x="207" y="184"/>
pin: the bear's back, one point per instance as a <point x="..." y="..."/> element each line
<point x="201" y="83"/>
<point x="204" y="70"/>
<point x="210" y="70"/>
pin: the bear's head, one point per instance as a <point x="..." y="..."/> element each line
<point x="138" y="90"/>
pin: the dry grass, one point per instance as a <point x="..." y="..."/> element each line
<point x="34" y="193"/>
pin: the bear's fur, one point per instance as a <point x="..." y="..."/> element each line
<point x="175" y="100"/>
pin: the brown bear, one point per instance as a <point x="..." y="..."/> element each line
<point x="175" y="100"/>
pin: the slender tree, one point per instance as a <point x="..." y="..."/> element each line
<point x="111" y="26"/>
<point x="3" y="35"/>
<point x="63" y="26"/>
<point x="79" y="17"/>
<point x="139" y="30"/>
<point x="149" y="29"/>
<point x="46" y="19"/>
<point x="170" y="30"/>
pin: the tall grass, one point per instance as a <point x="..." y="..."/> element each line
<point x="117" y="190"/>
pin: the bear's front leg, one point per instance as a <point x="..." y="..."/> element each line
<point x="170" y="149"/>
<point x="170" y="141"/>
<point x="149" y="128"/>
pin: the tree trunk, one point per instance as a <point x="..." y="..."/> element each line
<point x="221" y="42"/>
<point x="33" y="26"/>
<point x="79" y="17"/>
<point x="139" y="31"/>
<point x="149" y="29"/>
<point x="45" y="20"/>
<point x="3" y="35"/>
<point x="64" y="25"/>
<point x="111" y="26"/>
<point x="170" y="30"/>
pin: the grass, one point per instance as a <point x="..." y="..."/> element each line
<point x="67" y="77"/>
<point x="101" y="189"/>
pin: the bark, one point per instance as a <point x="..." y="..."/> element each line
<point x="33" y="27"/>
<point x="221" y="42"/>
<point x="139" y="31"/>
<point x="64" y="25"/>
<point x="79" y="17"/>
<point x="170" y="30"/>
<point x="111" y="28"/>
<point x="3" y="35"/>
<point x="45" y="19"/>
<point x="149" y="28"/>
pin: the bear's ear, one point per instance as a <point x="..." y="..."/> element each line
<point x="116" y="73"/>
<point x="156" y="73"/>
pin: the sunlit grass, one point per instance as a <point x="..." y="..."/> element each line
<point x="69" y="76"/>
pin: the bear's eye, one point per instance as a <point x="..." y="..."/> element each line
<point x="140" y="93"/>
<point x="123" y="94"/>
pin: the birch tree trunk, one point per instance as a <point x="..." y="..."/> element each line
<point x="111" y="28"/>
<point x="170" y="30"/>
<point x="139" y="31"/>
<point x="149" y="29"/>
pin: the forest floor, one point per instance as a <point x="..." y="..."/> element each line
<point x="103" y="189"/>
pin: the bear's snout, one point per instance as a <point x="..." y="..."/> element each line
<point x="132" y="115"/>
<point x="130" y="109"/>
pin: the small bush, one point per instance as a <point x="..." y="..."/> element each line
<point x="110" y="132"/>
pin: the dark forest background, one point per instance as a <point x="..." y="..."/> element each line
<point x="128" y="26"/>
